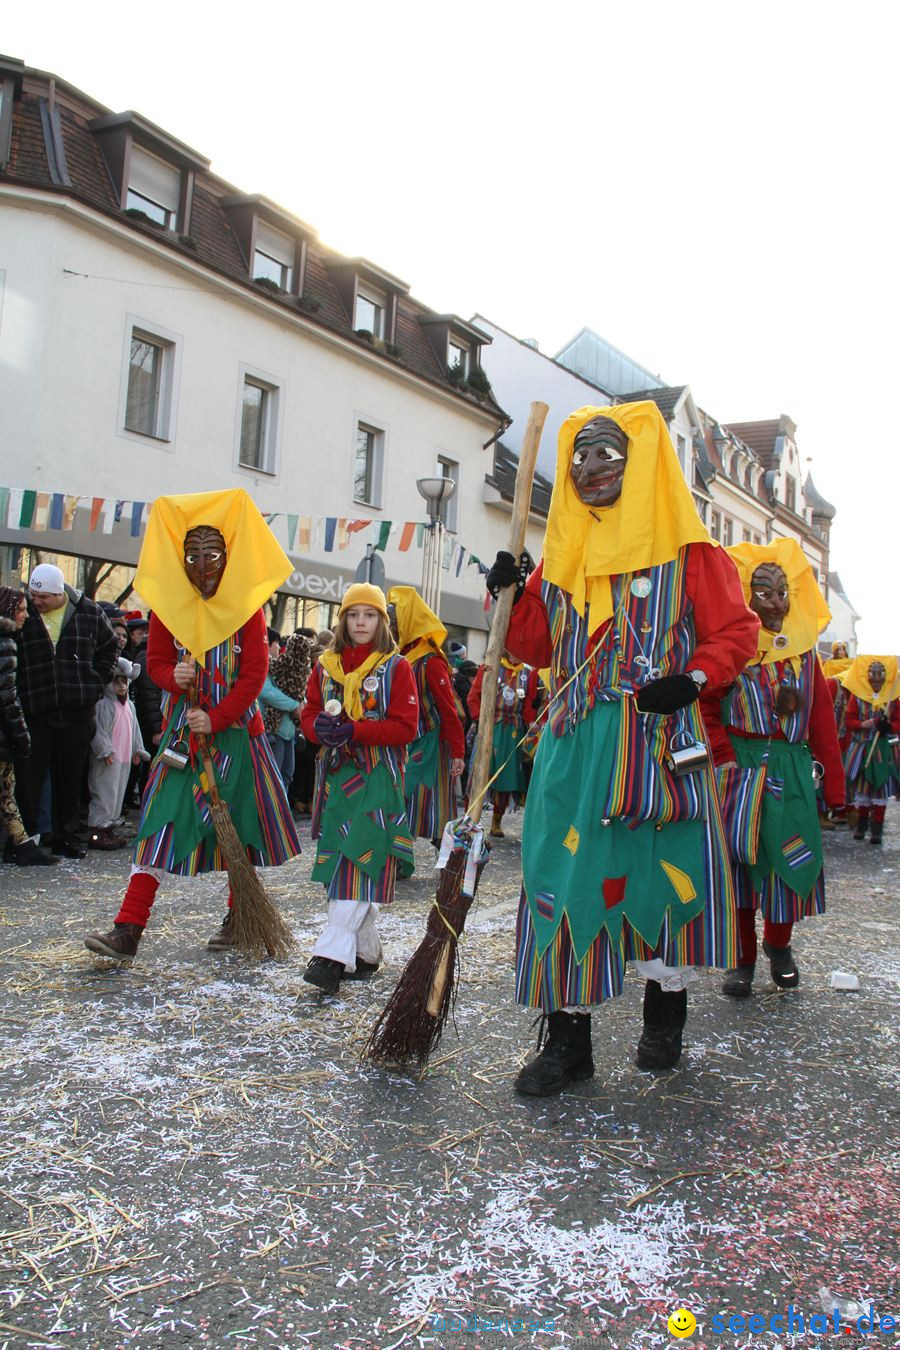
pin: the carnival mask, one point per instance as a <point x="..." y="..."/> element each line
<point x="205" y="557"/>
<point x="769" y="596"/>
<point x="598" y="462"/>
<point x="876" y="674"/>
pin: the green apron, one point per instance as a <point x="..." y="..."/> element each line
<point x="790" y="839"/>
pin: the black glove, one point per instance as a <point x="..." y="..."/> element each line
<point x="883" y="725"/>
<point x="505" y="571"/>
<point x="332" y="732"/>
<point x="668" y="694"/>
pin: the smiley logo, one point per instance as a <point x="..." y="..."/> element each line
<point x="682" y="1323"/>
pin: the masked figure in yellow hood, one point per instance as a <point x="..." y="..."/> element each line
<point x="208" y="562"/>
<point x="437" y="755"/>
<point x="779" y="714"/>
<point x="872" y="719"/>
<point x="633" y="609"/>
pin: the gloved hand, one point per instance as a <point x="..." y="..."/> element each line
<point x="331" y="731"/>
<point x="667" y="695"/>
<point x="883" y="725"/>
<point x="505" y="571"/>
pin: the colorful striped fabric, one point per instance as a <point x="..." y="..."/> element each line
<point x="750" y="707"/>
<point x="741" y="793"/>
<point x="429" y="805"/>
<point x="795" y="851"/>
<point x="776" y="899"/>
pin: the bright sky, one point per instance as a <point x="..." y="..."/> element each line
<point x="709" y="186"/>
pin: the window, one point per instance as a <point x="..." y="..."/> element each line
<point x="259" y="424"/>
<point x="367" y="461"/>
<point x="369" y="313"/>
<point x="728" y="532"/>
<point x="790" y="492"/>
<point x="458" y="357"/>
<point x="715" y="528"/>
<point x="154" y="187"/>
<point x="746" y="536"/>
<point x="701" y="506"/>
<point x="273" y="256"/>
<point x="681" y="445"/>
<point x="449" y="509"/>
<point x="757" y="539"/>
<point x="149" y="382"/>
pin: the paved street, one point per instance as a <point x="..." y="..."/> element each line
<point x="192" y="1151"/>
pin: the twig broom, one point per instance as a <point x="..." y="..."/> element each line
<point x="412" y="1023"/>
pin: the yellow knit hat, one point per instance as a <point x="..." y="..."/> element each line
<point x="364" y="593"/>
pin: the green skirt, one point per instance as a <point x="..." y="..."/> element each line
<point x="790" y="838"/>
<point x="363" y="822"/>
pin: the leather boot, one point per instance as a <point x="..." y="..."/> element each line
<point x="738" y="981"/>
<point x="876" y="832"/>
<point x="497" y="825"/>
<point x="862" y="822"/>
<point x="664" y="1017"/>
<point x="785" y="971"/>
<point x="27" y="854"/>
<point x="223" y="938"/>
<point x="121" y="942"/>
<point x="564" y="1058"/>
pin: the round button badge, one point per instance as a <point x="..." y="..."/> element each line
<point x="641" y="587"/>
<point x="370" y="684"/>
<point x="780" y="642"/>
<point x="509" y="695"/>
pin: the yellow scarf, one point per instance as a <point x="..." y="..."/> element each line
<point x="511" y="665"/>
<point x="352" y="679"/>
<point x="416" y="622"/>
<point x="652" y="520"/>
<point x="808" y="613"/>
<point x="856" y="679"/>
<point x="836" y="665"/>
<point x="256" y="566"/>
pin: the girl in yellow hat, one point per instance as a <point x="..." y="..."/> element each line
<point x="872" y="718"/>
<point x="633" y="609"/>
<point x="361" y="707"/>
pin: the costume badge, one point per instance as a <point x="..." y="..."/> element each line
<point x="780" y="641"/>
<point x="370" y="684"/>
<point x="509" y="695"/>
<point x="641" y="587"/>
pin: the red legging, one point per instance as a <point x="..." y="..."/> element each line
<point x="776" y="934"/>
<point x="138" y="899"/>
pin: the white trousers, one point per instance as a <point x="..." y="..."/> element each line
<point x="350" y="932"/>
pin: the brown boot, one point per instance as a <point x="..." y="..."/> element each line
<point x="105" y="837"/>
<point x="223" y="938"/>
<point x="497" y="826"/>
<point x="121" y="942"/>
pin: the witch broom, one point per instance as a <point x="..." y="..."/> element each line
<point x="412" y="1023"/>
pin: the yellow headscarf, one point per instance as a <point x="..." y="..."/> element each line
<point x="256" y="566"/>
<point x="808" y="613"/>
<point x="416" y="622"/>
<point x="836" y="665"/>
<point x="856" y="680"/>
<point x="654" y="517"/>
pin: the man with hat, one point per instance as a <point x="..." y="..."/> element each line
<point x="68" y="654"/>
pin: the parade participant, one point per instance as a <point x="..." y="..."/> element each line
<point x="633" y="609"/>
<point x="437" y="756"/>
<point x="15" y="742"/>
<point x="361" y="706"/>
<point x="872" y="718"/>
<point x="116" y="747"/>
<point x="516" y="709"/>
<point x="208" y="563"/>
<point x="779" y="713"/>
<point x="281" y="698"/>
<point x="834" y="667"/>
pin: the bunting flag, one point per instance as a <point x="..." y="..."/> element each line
<point x="407" y="534"/>
<point x="30" y="509"/>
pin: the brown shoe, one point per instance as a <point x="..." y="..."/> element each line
<point x="106" y="838"/>
<point x="223" y="938"/>
<point x="121" y="942"/>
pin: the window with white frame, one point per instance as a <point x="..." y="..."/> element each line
<point x="258" y="425"/>
<point x="368" y="458"/>
<point x="458" y="357"/>
<point x="369" y="315"/>
<point x="154" y="187"/>
<point x="681" y="446"/>
<point x="149" y="383"/>
<point x="728" y="532"/>
<point x="273" y="256"/>
<point x="715" y="526"/>
<point x="449" y="508"/>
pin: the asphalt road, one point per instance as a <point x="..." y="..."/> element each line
<point x="193" y="1152"/>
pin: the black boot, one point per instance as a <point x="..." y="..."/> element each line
<point x="565" y="1057"/>
<point x="785" y="971"/>
<point x="860" y="831"/>
<point x="876" y="832"/>
<point x="27" y="854"/>
<point x="664" y="1017"/>
<point x="738" y="981"/>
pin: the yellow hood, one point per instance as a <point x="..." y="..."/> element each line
<point x="416" y="622"/>
<point x="856" y="679"/>
<point x="808" y="613"/>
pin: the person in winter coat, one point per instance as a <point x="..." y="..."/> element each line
<point x="67" y="656"/>
<point x="282" y="698"/>
<point x="147" y="699"/>
<point x="15" y="743"/>
<point x="117" y="745"/>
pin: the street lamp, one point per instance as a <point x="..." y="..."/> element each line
<point x="435" y="491"/>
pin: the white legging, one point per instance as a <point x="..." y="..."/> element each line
<point x="350" y="932"/>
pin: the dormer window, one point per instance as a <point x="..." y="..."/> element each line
<point x="369" y="311"/>
<point x="273" y="256"/>
<point x="458" y="357"/>
<point x="154" y="187"/>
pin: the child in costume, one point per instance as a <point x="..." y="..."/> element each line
<point x="779" y="713"/>
<point x="117" y="746"/>
<point x="208" y="563"/>
<point x="633" y="609"/>
<point x="361" y="706"/>
<point x="872" y="720"/>
<point x="516" y="709"/>
<point x="437" y="755"/>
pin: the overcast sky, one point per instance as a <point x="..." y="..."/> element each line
<point x="709" y="186"/>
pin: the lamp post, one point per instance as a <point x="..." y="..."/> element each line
<point x="435" y="491"/>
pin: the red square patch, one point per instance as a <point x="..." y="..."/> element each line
<point x="613" y="891"/>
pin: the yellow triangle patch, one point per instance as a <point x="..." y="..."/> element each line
<point x="684" y="887"/>
<point x="572" y="840"/>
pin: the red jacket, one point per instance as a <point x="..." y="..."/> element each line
<point x="891" y="711"/>
<point x="529" y="702"/>
<point x="402" y="722"/>
<point x="163" y="656"/>
<point x="440" y="686"/>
